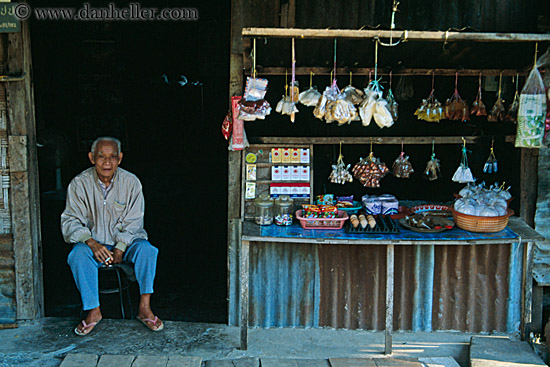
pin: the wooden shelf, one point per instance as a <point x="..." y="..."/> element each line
<point x="270" y="164"/>
<point x="377" y="140"/>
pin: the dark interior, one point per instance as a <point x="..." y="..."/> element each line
<point x="121" y="79"/>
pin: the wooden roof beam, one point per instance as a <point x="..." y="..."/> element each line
<point x="441" y="36"/>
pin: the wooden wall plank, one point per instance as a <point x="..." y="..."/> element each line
<point x="24" y="191"/>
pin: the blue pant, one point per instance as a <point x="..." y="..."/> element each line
<point x="85" y="269"/>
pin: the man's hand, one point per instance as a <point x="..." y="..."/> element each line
<point x="117" y="256"/>
<point x="101" y="253"/>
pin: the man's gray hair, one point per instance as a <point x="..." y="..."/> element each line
<point x="106" y="138"/>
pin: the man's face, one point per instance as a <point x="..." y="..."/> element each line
<point x="106" y="159"/>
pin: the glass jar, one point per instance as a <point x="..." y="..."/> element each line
<point x="264" y="210"/>
<point x="283" y="210"/>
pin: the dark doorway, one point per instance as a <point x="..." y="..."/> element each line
<point x="127" y="79"/>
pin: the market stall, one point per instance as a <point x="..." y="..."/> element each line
<point x="332" y="233"/>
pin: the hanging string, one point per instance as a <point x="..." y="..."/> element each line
<point x="286" y="83"/>
<point x="536" y="51"/>
<point x="464" y="161"/>
<point x="311" y="79"/>
<point x="391" y="72"/>
<point x="375" y="58"/>
<point x="479" y="86"/>
<point x="335" y="42"/>
<point x="499" y="85"/>
<point x="293" y="72"/>
<point x="254" y="59"/>
<point x="402" y="150"/>
<point x="350" y="73"/>
<point x="433" y="149"/>
<point x="371" y="154"/>
<point x="340" y="156"/>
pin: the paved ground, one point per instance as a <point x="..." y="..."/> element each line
<point x="47" y="341"/>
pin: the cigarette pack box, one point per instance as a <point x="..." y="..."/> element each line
<point x="295" y="173"/>
<point x="285" y="173"/>
<point x="276" y="155"/>
<point x="304" y="157"/>
<point x="251" y="172"/>
<point x="286" y="155"/>
<point x="274" y="190"/>
<point x="295" y="155"/>
<point x="276" y="173"/>
<point x="250" y="192"/>
<point x="285" y="190"/>
<point x="304" y="175"/>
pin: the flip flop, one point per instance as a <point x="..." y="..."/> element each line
<point x="154" y="321"/>
<point x="91" y="325"/>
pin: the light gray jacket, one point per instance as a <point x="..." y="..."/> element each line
<point x="116" y="220"/>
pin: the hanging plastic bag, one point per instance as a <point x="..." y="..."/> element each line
<point x="463" y="173"/>
<point x="498" y="111"/>
<point x="491" y="165"/>
<point x="227" y="126"/>
<point x="340" y="171"/>
<point x="404" y="90"/>
<point x="401" y="167"/>
<point x="455" y="107"/>
<point x="309" y="97"/>
<point x="433" y="170"/>
<point x="478" y="107"/>
<point x="512" y="111"/>
<point x="532" y="109"/>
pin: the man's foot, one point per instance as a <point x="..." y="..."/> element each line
<point x="87" y="325"/>
<point x="153" y="324"/>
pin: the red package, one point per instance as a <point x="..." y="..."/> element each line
<point x="227" y="126"/>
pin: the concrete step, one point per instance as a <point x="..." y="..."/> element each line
<point x="493" y="351"/>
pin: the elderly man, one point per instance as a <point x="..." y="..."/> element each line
<point x="103" y="219"/>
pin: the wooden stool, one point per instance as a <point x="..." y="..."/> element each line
<point x="117" y="278"/>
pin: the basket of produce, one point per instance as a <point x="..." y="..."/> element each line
<point x="483" y="224"/>
<point x="336" y="222"/>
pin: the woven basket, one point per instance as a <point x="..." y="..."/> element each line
<point x="475" y="223"/>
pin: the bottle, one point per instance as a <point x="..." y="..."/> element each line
<point x="264" y="210"/>
<point x="283" y="210"/>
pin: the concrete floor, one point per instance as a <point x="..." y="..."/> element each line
<point x="47" y="341"/>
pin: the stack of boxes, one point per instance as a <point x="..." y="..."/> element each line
<point x="294" y="179"/>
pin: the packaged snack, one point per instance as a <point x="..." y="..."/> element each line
<point x="344" y="201"/>
<point x="326" y="199"/>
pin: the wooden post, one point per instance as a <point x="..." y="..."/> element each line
<point x="244" y="271"/>
<point x="389" y="298"/>
<point x="527" y="290"/>
<point x="24" y="189"/>
<point x="529" y="185"/>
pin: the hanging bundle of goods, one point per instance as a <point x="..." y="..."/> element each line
<point x="455" y="107"/>
<point x="253" y="106"/>
<point x="479" y="200"/>
<point x="498" y="111"/>
<point x="369" y="171"/>
<point x="287" y="105"/>
<point x="430" y="109"/>
<point x="491" y="165"/>
<point x="433" y="169"/>
<point x="512" y="111"/>
<point x="333" y="105"/>
<point x="340" y="172"/>
<point x="401" y="167"/>
<point x="463" y="173"/>
<point x="393" y="106"/>
<point x="374" y="106"/>
<point x="478" y="107"/>
<point x="532" y="108"/>
<point x="310" y="97"/>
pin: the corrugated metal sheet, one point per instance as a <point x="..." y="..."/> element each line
<point x="467" y="288"/>
<point x="283" y="285"/>
<point x="541" y="259"/>
<point x="471" y="288"/>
